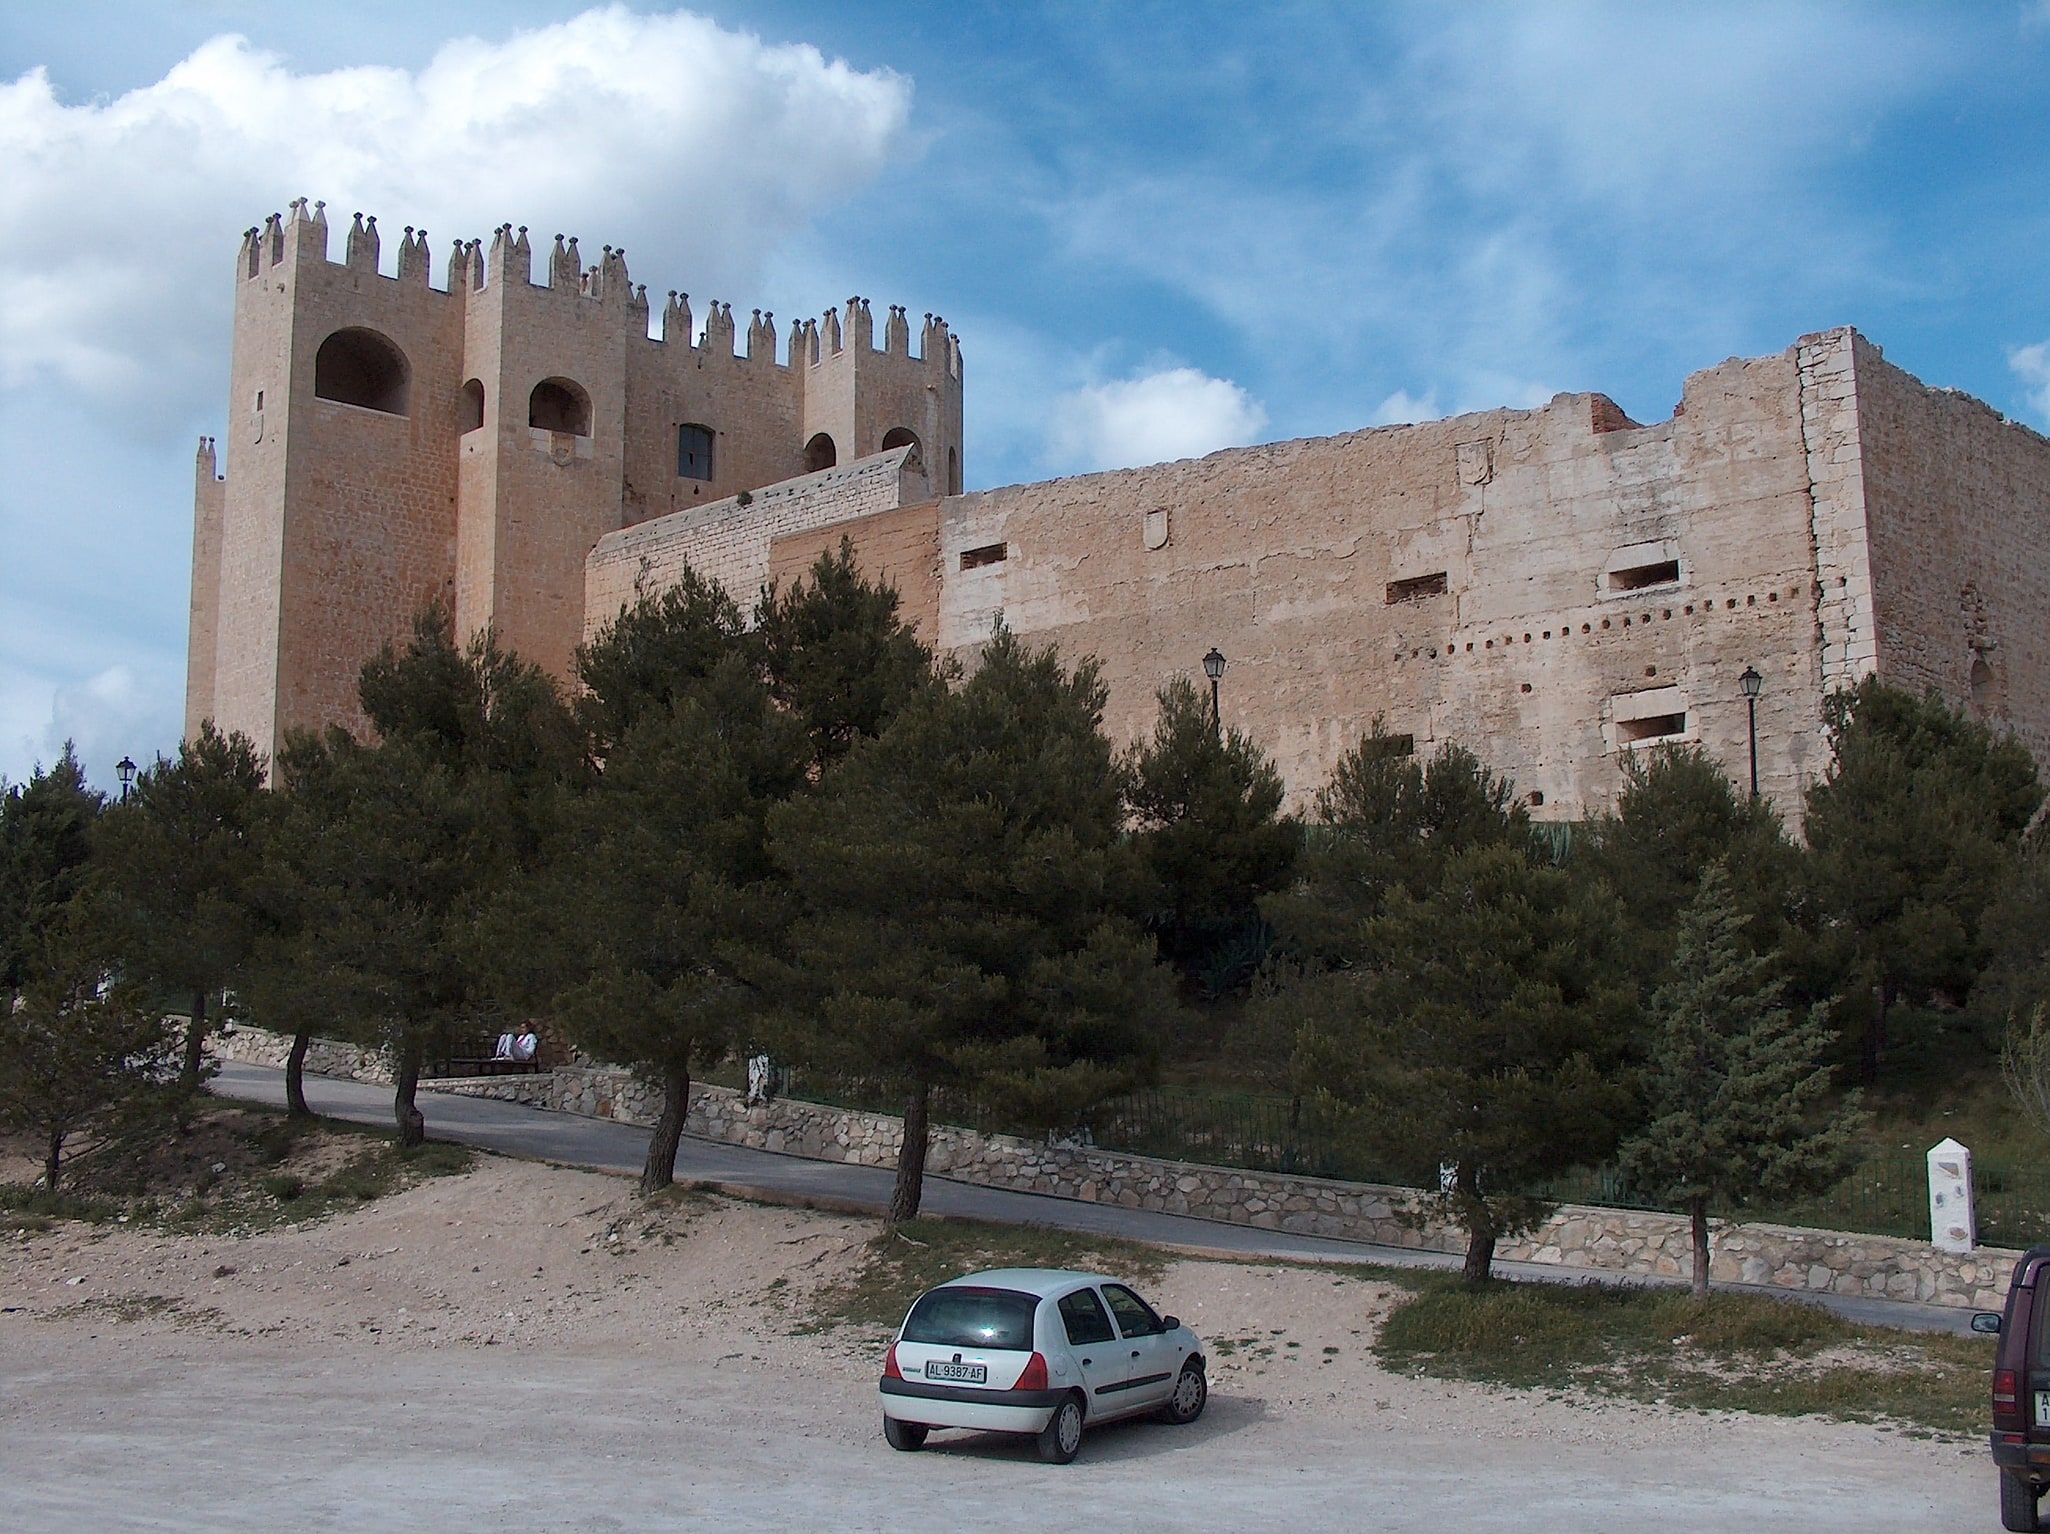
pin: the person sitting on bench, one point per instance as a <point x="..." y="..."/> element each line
<point x="505" y="1046"/>
<point x="526" y="1045"/>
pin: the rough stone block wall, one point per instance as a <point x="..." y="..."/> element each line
<point x="728" y="542"/>
<point x="1958" y="501"/>
<point x="899" y="549"/>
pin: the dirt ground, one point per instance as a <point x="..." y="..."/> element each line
<point x="527" y="1347"/>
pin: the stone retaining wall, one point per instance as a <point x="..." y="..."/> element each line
<point x="324" y="1057"/>
<point x="1600" y="1241"/>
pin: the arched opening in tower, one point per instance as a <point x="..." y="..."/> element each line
<point x="904" y="436"/>
<point x="360" y="367"/>
<point x="559" y="405"/>
<point x="473" y="405"/>
<point x="819" y="453"/>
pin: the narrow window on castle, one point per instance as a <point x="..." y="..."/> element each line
<point x="1631" y="732"/>
<point x="694" y="452"/>
<point x="820" y="453"/>
<point x="559" y="405"/>
<point x="953" y="471"/>
<point x="1662" y="572"/>
<point x="988" y="554"/>
<point x="473" y="404"/>
<point x="361" y="367"/>
<point x="1416" y="588"/>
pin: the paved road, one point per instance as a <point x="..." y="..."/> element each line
<point x="573" y="1140"/>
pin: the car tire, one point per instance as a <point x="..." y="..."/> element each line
<point x="1061" y="1439"/>
<point x="2017" y="1504"/>
<point x="1191" y="1392"/>
<point x="905" y="1436"/>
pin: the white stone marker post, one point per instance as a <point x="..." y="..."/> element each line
<point x="1951" y="1226"/>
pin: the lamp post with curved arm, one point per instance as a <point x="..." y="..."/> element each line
<point x="1751" y="682"/>
<point x="1213" y="667"/>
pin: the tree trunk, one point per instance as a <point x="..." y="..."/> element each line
<point x="412" y="1127"/>
<point x="195" y="1045"/>
<point x="53" y="1160"/>
<point x="904" y="1198"/>
<point x="1479" y="1266"/>
<point x="1697" y="1209"/>
<point x="295" y="1076"/>
<point x="1873" y="1045"/>
<point x="660" y="1171"/>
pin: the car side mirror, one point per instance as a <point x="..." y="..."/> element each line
<point x="1986" y="1323"/>
<point x="1169" y="1323"/>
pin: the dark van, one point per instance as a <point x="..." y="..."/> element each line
<point x="2021" y="1389"/>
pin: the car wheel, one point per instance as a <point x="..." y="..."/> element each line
<point x="1191" y="1391"/>
<point x="2017" y="1504"/>
<point x="906" y="1436"/>
<point x="1061" y="1439"/>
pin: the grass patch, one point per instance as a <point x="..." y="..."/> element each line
<point x="895" y="1268"/>
<point x="1733" y="1352"/>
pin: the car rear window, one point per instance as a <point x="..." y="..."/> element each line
<point x="973" y="1318"/>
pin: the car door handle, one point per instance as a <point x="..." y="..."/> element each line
<point x="1135" y="1352"/>
<point x="1087" y="1362"/>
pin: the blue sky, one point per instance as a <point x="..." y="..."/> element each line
<point x="1158" y="229"/>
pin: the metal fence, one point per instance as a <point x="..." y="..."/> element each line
<point x="1885" y="1195"/>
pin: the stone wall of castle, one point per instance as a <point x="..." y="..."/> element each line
<point x="899" y="549"/>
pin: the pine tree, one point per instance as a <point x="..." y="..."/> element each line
<point x="1912" y="833"/>
<point x="838" y="656"/>
<point x="1737" y="1083"/>
<point x="393" y="853"/>
<point x="969" y="904"/>
<point x="1206" y="807"/>
<point x="77" y="1044"/>
<point x="1482" y="1037"/>
<point x="45" y="851"/>
<point x="177" y="870"/>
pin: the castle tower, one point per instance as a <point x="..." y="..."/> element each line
<point x="392" y="444"/>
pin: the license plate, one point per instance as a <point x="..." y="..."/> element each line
<point x="2043" y="1408"/>
<point x="978" y="1374"/>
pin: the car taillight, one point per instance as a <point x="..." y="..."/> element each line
<point x="1034" y="1377"/>
<point x="890" y="1369"/>
<point x="2007" y="1404"/>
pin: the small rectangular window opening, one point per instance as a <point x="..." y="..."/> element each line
<point x="988" y="554"/>
<point x="1388" y="746"/>
<point x="1651" y="727"/>
<point x="1416" y="588"/>
<point x="694" y="452"/>
<point x="1664" y="573"/>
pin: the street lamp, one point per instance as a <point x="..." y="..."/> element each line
<point x="125" y="771"/>
<point x="1751" y="681"/>
<point x="1213" y="667"/>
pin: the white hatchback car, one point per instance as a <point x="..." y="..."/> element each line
<point x="1038" y="1351"/>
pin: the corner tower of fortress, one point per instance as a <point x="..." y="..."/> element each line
<point x="393" y="441"/>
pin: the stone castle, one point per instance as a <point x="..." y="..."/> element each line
<point x="1552" y="587"/>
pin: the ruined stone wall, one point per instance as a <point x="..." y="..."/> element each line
<point x="1481" y="580"/>
<point x="1958" y="500"/>
<point x="729" y="542"/>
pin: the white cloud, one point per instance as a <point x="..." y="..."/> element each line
<point x="124" y="710"/>
<point x="1175" y="413"/>
<point x="695" y="148"/>
<point x="1401" y="408"/>
<point x="2031" y="364"/>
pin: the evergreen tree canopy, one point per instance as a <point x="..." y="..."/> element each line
<point x="661" y="648"/>
<point x="178" y="865"/>
<point x="1737" y="1084"/>
<point x="1484" y="1037"/>
<point x="1679" y="815"/>
<point x="394" y="852"/>
<point x="837" y="655"/>
<point x="1912" y="832"/>
<point x="1387" y="821"/>
<point x="45" y="848"/>
<point x="1207" y="809"/>
<point x="969" y="902"/>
